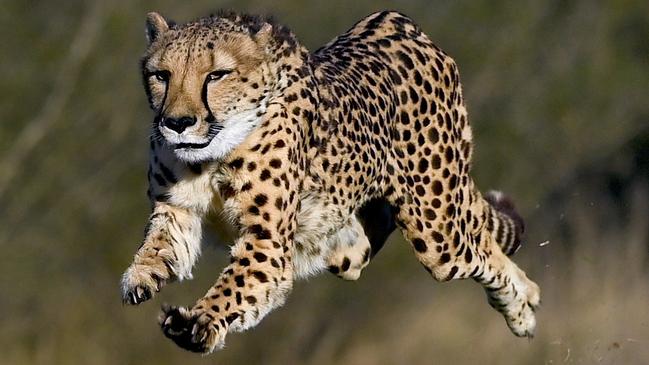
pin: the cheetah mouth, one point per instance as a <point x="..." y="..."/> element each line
<point x="191" y="146"/>
<point x="213" y="131"/>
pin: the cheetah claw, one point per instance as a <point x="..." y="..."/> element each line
<point x="139" y="284"/>
<point x="190" y="329"/>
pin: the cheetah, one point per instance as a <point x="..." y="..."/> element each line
<point x="314" y="158"/>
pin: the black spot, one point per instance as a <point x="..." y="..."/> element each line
<point x="260" y="232"/>
<point x="239" y="280"/>
<point x="435" y="73"/>
<point x="290" y="98"/>
<point x="419" y="245"/>
<point x="452" y="183"/>
<point x="411" y="149"/>
<point x="265" y="175"/>
<point x="423" y="107"/>
<point x="423" y="165"/>
<point x="237" y="163"/>
<point x="232" y="317"/>
<point x="227" y="191"/>
<point x="406" y="135"/>
<point x="261" y="199"/>
<point x="405" y="119"/>
<point x="437" y="187"/>
<point x="448" y="154"/>
<point x="427" y="87"/>
<point x="262" y="277"/>
<point x="346" y="264"/>
<point x="227" y="292"/>
<point x="452" y="273"/>
<point x="433" y="135"/>
<point x="436" y="162"/>
<point x="418" y="79"/>
<point x="406" y="60"/>
<point x="445" y="258"/>
<point x="275" y="163"/>
<point x="456" y="239"/>
<point x="260" y="257"/>
<point x="414" y="96"/>
<point x="383" y="42"/>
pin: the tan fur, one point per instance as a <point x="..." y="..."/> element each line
<point x="293" y="145"/>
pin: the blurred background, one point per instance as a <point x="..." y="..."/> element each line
<point x="557" y="93"/>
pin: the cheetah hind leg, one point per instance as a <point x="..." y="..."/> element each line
<point x="449" y="256"/>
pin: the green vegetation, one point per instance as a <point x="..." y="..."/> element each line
<point x="557" y="93"/>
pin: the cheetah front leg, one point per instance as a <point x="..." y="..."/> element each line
<point x="172" y="239"/>
<point x="171" y="246"/>
<point x="261" y="194"/>
<point x="257" y="281"/>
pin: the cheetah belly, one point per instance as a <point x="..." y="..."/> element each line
<point x="320" y="228"/>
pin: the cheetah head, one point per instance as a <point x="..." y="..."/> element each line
<point x="208" y="83"/>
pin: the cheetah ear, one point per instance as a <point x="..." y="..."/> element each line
<point x="155" y="26"/>
<point x="264" y="34"/>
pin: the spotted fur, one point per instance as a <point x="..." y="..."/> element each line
<point x="315" y="159"/>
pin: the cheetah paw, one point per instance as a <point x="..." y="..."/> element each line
<point x="192" y="330"/>
<point x="141" y="282"/>
<point x="520" y="311"/>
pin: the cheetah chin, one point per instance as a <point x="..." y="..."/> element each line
<point x="233" y="131"/>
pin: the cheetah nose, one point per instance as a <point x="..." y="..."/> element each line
<point x="178" y="125"/>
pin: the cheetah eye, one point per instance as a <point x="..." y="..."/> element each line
<point x="161" y="76"/>
<point x="217" y="75"/>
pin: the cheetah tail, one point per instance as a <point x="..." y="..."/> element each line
<point x="504" y="223"/>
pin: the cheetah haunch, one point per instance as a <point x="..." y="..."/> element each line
<point x="315" y="159"/>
